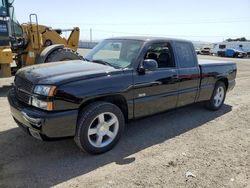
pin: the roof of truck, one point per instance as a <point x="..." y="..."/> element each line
<point x="147" y="38"/>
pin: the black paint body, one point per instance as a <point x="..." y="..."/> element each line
<point x="80" y="82"/>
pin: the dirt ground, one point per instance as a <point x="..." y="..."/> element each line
<point x="156" y="151"/>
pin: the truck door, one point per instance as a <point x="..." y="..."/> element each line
<point x="156" y="91"/>
<point x="189" y="73"/>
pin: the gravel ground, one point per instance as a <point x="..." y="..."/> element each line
<point x="158" y="151"/>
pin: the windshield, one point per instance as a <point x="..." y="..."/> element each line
<point x="116" y="53"/>
<point x="3" y="9"/>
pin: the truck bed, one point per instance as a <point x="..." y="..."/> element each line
<point x="209" y="62"/>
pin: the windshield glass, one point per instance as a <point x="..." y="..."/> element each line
<point x="116" y="53"/>
<point x="3" y="9"/>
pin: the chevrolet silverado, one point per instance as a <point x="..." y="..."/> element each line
<point x="120" y="79"/>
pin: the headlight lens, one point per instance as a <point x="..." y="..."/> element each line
<point x="45" y="105"/>
<point x="39" y="103"/>
<point x="44" y="90"/>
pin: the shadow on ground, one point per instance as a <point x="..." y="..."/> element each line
<point x="25" y="161"/>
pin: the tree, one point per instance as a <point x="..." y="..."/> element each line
<point x="229" y="40"/>
<point x="237" y="39"/>
<point x="243" y="39"/>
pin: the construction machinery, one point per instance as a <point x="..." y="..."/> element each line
<point x="31" y="43"/>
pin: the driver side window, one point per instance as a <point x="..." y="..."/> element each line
<point x="162" y="53"/>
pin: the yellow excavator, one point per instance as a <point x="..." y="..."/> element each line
<point x="31" y="43"/>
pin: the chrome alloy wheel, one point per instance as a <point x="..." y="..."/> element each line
<point x="103" y="129"/>
<point x="219" y="96"/>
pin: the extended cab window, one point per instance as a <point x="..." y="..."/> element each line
<point x="162" y="53"/>
<point x="185" y="55"/>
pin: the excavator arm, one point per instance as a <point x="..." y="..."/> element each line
<point x="31" y="42"/>
<point x="73" y="39"/>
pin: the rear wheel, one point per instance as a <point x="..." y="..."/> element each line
<point x="218" y="97"/>
<point x="63" y="54"/>
<point x="99" y="127"/>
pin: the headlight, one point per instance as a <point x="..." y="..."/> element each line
<point x="45" y="105"/>
<point x="44" y="90"/>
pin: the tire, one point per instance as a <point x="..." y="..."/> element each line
<point x="217" y="99"/>
<point x="63" y="54"/>
<point x="95" y="137"/>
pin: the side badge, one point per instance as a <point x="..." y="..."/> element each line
<point x="142" y="95"/>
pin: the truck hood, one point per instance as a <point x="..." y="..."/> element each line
<point x="64" y="71"/>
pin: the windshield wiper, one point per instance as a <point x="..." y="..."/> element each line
<point x="102" y="62"/>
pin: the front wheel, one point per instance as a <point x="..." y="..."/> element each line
<point x="99" y="127"/>
<point x="218" y="97"/>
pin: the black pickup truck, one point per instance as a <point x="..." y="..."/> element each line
<point x="120" y="79"/>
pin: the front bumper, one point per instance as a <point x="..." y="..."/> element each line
<point x="41" y="124"/>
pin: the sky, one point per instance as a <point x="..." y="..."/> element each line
<point x="210" y="21"/>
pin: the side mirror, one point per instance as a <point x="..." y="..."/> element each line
<point x="148" y="65"/>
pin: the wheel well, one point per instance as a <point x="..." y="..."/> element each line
<point x="117" y="100"/>
<point x="225" y="81"/>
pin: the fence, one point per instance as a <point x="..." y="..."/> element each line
<point x="87" y="44"/>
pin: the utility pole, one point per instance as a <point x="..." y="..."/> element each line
<point x="90" y="34"/>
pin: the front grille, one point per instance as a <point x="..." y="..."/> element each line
<point x="23" y="87"/>
<point x="23" y="84"/>
<point x="23" y="97"/>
